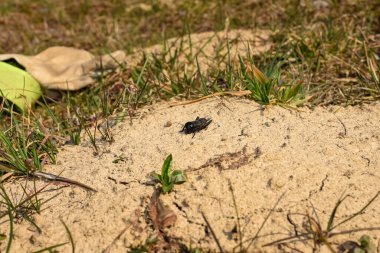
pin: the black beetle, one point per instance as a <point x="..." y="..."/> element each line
<point x="197" y="125"/>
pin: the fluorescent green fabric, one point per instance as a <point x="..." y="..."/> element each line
<point x="18" y="86"/>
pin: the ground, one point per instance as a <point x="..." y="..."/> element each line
<point x="311" y="157"/>
<point x="289" y="163"/>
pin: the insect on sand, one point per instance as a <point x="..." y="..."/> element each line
<point x="195" y="126"/>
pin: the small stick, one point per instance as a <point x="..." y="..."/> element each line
<point x="153" y="211"/>
<point x="6" y="176"/>
<point x="344" y="127"/>
<point x="61" y="179"/>
<point x="212" y="232"/>
<point x="108" y="249"/>
<point x="232" y="93"/>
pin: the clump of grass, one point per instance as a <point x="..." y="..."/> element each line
<point x="327" y="55"/>
<point x="25" y="145"/>
<point x="268" y="88"/>
<point x="322" y="44"/>
<point x="25" y="207"/>
<point x="177" y="72"/>
<point x="317" y="234"/>
<point x="373" y="66"/>
<point x="169" y="178"/>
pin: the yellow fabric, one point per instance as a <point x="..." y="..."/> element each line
<point x="65" y="68"/>
<point x="18" y="86"/>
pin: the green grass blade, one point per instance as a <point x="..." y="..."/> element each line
<point x="203" y="82"/>
<point x="70" y="237"/>
<point x="50" y="248"/>
<point x="166" y="167"/>
<point x="330" y="224"/>
<point x="265" y="220"/>
<point x="357" y="213"/>
<point x="8" y="249"/>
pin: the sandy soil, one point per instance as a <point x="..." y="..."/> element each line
<point x="311" y="156"/>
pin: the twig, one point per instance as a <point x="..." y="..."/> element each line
<point x="53" y="177"/>
<point x="307" y="234"/>
<point x="265" y="220"/>
<point x="6" y="176"/>
<point x="153" y="211"/>
<point x="343" y="125"/>
<point x="237" y="216"/>
<point x="108" y="249"/>
<point x="28" y="198"/>
<point x="212" y="232"/>
<point x="231" y="93"/>
<point x="286" y="239"/>
<point x="288" y="217"/>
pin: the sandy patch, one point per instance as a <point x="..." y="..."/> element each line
<point x="311" y="156"/>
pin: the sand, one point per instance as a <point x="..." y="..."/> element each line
<point x="313" y="157"/>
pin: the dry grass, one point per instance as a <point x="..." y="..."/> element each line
<point x="325" y="46"/>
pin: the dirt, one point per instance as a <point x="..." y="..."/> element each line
<point x="313" y="157"/>
<point x="303" y="159"/>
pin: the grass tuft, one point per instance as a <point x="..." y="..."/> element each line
<point x="320" y="236"/>
<point x="25" y="145"/>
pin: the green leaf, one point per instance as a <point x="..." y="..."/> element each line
<point x="330" y="224"/>
<point x="290" y="93"/>
<point x="367" y="244"/>
<point x="18" y="86"/>
<point x="179" y="176"/>
<point x="156" y="176"/>
<point x="151" y="240"/>
<point x="167" y="187"/>
<point x="166" y="169"/>
<point x="358" y="250"/>
<point x="2" y="237"/>
<point x="50" y="248"/>
<point x="357" y="213"/>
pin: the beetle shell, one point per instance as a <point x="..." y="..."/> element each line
<point x="197" y="125"/>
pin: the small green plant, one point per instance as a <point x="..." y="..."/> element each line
<point x="194" y="250"/>
<point x="169" y="178"/>
<point x="24" y="208"/>
<point x="267" y="88"/>
<point x="319" y="236"/>
<point x="24" y="145"/>
<point x="146" y="247"/>
<point x="366" y="246"/>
